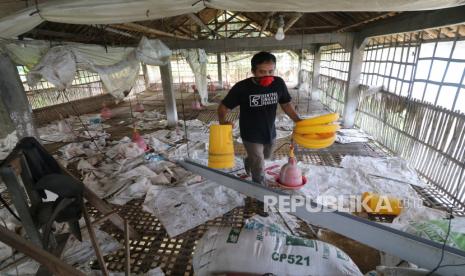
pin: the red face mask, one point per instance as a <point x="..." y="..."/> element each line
<point x="266" y="81"/>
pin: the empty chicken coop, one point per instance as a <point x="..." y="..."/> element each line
<point x="232" y="137"/>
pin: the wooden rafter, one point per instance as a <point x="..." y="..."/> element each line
<point x="266" y="22"/>
<point x="146" y="30"/>
<point x="374" y="18"/>
<point x="202" y="25"/>
<point x="254" y="24"/>
<point x="292" y="21"/>
<point x="239" y="30"/>
<point x="231" y="18"/>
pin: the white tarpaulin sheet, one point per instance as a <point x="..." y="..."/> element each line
<point x="122" y="11"/>
<point x="197" y="59"/>
<point x="58" y="66"/>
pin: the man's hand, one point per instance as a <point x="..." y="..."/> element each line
<point x="289" y="110"/>
<point x="222" y="111"/>
<point x="227" y="123"/>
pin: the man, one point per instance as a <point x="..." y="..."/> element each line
<point x="258" y="98"/>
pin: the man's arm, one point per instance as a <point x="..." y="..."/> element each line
<point x="222" y="112"/>
<point x="289" y="110"/>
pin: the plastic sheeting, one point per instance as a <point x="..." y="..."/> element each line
<point x="58" y="66"/>
<point x="185" y="207"/>
<point x="122" y="11"/>
<point x="197" y="59"/>
<point x="7" y="144"/>
<point x="393" y="168"/>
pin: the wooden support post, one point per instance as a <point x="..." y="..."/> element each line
<point x="94" y="241"/>
<point x="316" y="70"/>
<point x="105" y="208"/>
<point x="352" y="89"/>
<point x="19" y="199"/>
<point x="51" y="262"/>
<point x="14" y="98"/>
<point x="127" y="248"/>
<point x="168" y="93"/>
<point x="146" y="76"/>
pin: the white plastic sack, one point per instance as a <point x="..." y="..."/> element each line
<point x="234" y="250"/>
<point x="153" y="52"/>
<point x="58" y="67"/>
<point x="197" y="59"/>
<point x="436" y="230"/>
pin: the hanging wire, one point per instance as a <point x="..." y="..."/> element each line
<point x="92" y="138"/>
<point x="186" y="134"/>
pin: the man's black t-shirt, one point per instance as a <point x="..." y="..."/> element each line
<point x="257" y="108"/>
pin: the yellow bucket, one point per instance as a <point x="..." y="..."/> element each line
<point x="381" y="205"/>
<point x="221" y="147"/>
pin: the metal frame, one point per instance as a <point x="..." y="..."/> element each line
<point x="422" y="252"/>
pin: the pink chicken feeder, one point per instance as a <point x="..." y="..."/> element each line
<point x="290" y="176"/>
<point x="139" y="140"/>
<point x="105" y="113"/>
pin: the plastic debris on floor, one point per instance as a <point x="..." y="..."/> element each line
<point x="78" y="253"/>
<point x="182" y="208"/>
<point x="352" y="135"/>
<point x="394" y="168"/>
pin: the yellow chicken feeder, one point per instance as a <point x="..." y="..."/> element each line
<point x="221" y="147"/>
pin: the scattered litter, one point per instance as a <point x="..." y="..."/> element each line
<point x="351" y="135"/>
<point x="76" y="252"/>
<point x="28" y="268"/>
<point x="389" y="168"/>
<point x="182" y="208"/>
<point x="134" y="190"/>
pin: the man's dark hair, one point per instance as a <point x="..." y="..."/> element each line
<point x="262" y="57"/>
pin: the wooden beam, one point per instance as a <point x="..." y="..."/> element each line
<point x="292" y="21"/>
<point x="146" y="30"/>
<point x="292" y="42"/>
<point x="414" y="21"/>
<point x="202" y="25"/>
<point x="374" y="18"/>
<point x="239" y="30"/>
<point x="48" y="260"/>
<point x="105" y="208"/>
<point x="254" y="24"/>
<point x="115" y="31"/>
<point x="266" y="23"/>
<point x="461" y="30"/>
<point x="314" y="27"/>
<point x="186" y="31"/>
<point x="231" y="18"/>
<point x="93" y="240"/>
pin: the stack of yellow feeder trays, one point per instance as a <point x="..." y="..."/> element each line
<point x="318" y="132"/>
